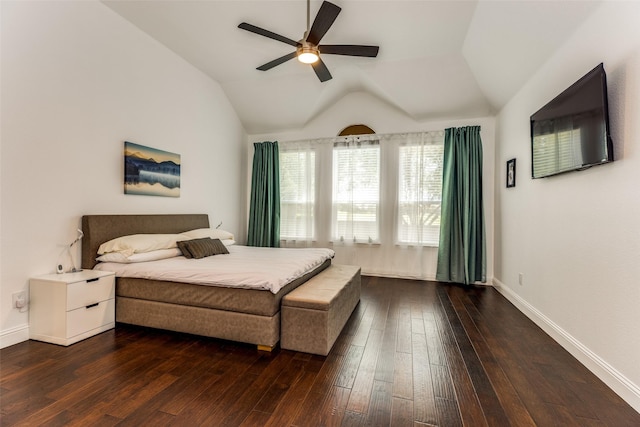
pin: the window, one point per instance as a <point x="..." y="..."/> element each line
<point x="383" y="189"/>
<point x="419" y="193"/>
<point x="356" y="191"/>
<point x="297" y="194"/>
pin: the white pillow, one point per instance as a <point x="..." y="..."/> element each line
<point x="228" y="242"/>
<point x="141" y="257"/>
<point x="138" y="243"/>
<point x="214" y="233"/>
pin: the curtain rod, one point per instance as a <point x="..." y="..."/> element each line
<point x="371" y="136"/>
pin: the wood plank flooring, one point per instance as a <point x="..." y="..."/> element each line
<point x="413" y="353"/>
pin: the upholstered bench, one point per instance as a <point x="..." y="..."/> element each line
<point x="313" y="315"/>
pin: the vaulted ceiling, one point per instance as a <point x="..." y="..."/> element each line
<point x="438" y="59"/>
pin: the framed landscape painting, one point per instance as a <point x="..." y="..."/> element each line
<point x="150" y="172"/>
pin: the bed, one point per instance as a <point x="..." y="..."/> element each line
<point x="244" y="315"/>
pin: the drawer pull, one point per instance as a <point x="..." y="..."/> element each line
<point x="93" y="280"/>
<point x="92" y="305"/>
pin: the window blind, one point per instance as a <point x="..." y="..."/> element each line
<point x="419" y="192"/>
<point x="297" y="193"/>
<point x="356" y="191"/>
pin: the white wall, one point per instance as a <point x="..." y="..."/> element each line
<point x="77" y="81"/>
<point x="364" y="108"/>
<point x="576" y="237"/>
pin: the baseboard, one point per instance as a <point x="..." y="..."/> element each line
<point x="14" y="336"/>
<point x="620" y="384"/>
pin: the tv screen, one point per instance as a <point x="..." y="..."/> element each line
<point x="572" y="131"/>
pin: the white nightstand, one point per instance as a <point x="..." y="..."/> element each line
<point x="66" y="308"/>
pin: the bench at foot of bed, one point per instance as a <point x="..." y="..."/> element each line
<point x="313" y="314"/>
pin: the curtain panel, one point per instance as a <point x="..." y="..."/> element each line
<point x="462" y="248"/>
<point x="264" y="209"/>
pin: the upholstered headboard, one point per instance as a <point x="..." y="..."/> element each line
<point x="98" y="229"/>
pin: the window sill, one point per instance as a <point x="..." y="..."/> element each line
<point x="417" y="245"/>
<point x="352" y="243"/>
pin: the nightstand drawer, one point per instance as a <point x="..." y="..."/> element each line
<point x="90" y="291"/>
<point x="85" y="319"/>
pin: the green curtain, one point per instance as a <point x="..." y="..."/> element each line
<point x="264" y="210"/>
<point x="462" y="254"/>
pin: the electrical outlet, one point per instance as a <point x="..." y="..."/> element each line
<point x="521" y="278"/>
<point x="19" y="300"/>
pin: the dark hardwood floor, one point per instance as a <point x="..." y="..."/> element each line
<point x="413" y="354"/>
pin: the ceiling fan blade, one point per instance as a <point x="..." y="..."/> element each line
<point x="349" y="50"/>
<point x="267" y="33"/>
<point x="278" y="61"/>
<point x="324" y="19"/>
<point x="321" y="70"/>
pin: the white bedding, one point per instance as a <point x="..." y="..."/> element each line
<point x="244" y="267"/>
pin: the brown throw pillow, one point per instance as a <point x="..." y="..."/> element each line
<point x="200" y="248"/>
<point x="182" y="245"/>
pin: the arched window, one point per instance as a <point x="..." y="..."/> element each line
<point x="356" y="130"/>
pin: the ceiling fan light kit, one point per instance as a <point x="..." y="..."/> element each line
<point x="309" y="48"/>
<point x="307" y="54"/>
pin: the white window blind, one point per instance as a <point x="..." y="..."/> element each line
<point x="297" y="193"/>
<point x="356" y="191"/>
<point x="420" y="190"/>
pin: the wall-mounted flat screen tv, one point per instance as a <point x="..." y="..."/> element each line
<point x="572" y="131"/>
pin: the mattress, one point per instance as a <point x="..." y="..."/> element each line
<point x="251" y="301"/>
<point x="244" y="267"/>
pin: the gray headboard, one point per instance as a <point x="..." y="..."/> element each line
<point x="98" y="229"/>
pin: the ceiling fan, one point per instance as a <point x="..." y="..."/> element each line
<point x="308" y="49"/>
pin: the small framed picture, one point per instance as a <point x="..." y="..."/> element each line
<point x="511" y="173"/>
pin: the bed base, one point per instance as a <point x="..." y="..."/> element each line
<point x="262" y="331"/>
